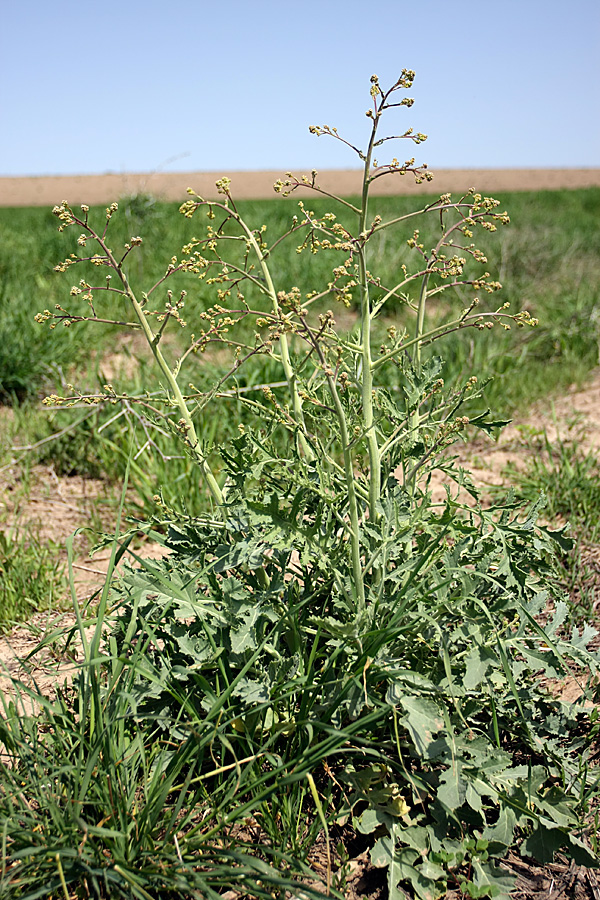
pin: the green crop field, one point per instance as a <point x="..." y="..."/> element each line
<point x="548" y="260"/>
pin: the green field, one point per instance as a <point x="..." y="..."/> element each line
<point x="547" y="259"/>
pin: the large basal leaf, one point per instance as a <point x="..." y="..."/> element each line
<point x="453" y="787"/>
<point x="251" y="693"/>
<point x="478" y="661"/>
<point x="427" y="879"/>
<point x="502" y="832"/>
<point x="543" y="843"/>
<point x="491" y="881"/>
<point x="423" y="719"/>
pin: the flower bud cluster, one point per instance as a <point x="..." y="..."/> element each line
<point x="450" y="267"/>
<point x="223" y="186"/>
<point x="67" y="263"/>
<point x="188" y="208"/>
<point x="64" y="214"/>
<point x="480" y="284"/>
<point x="319" y="130"/>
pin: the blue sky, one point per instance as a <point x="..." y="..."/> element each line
<point x="188" y="85"/>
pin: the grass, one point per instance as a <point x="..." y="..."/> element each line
<point x="136" y="832"/>
<point x="547" y="259"/>
<point x="31" y="574"/>
<point x="29" y="356"/>
<point x="569" y="479"/>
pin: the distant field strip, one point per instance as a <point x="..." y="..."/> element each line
<point x="100" y="189"/>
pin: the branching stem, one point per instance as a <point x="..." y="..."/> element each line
<point x="174" y="388"/>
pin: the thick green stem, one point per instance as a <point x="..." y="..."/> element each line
<point x="192" y="437"/>
<point x="290" y="374"/>
<point x="352" y="502"/>
<point x="367" y="361"/>
<point x="174" y="388"/>
<point x="420" y="328"/>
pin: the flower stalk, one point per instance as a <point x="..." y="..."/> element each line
<point x="353" y="438"/>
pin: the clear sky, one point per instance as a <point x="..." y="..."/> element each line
<point x="190" y="85"/>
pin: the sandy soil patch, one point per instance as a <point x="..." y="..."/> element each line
<point x="573" y="418"/>
<point x="99" y="189"/>
<point x="55" y="507"/>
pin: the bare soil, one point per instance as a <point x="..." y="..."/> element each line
<point x="573" y="419"/>
<point x="55" y="507"/>
<point x="99" y="189"/>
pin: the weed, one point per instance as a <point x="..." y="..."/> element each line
<point x="324" y="646"/>
<point x="549" y="257"/>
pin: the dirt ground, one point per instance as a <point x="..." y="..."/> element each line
<point x="573" y="418"/>
<point x="98" y="189"/>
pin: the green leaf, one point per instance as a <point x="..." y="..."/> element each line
<point x="373" y="818"/>
<point x="561" y="613"/>
<point x="247" y="552"/>
<point x="453" y="788"/>
<point x="581" y="640"/>
<point x="481" y="421"/>
<point x="559" y="536"/>
<point x="424" y="888"/>
<point x="423" y="720"/>
<point x="555" y="804"/>
<point x="581" y="853"/>
<point x="251" y="693"/>
<point x="195" y="647"/>
<point x="415" y="836"/>
<point x="478" y="661"/>
<point x="543" y="843"/>
<point x="382" y="852"/>
<point x="492" y="881"/>
<point x="244" y="638"/>
<point x="432" y="871"/>
<point x="401" y="868"/>
<point x="401" y="863"/>
<point x="401" y="678"/>
<point x="502" y="832"/>
<point x="474" y="798"/>
<point x="394" y="877"/>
